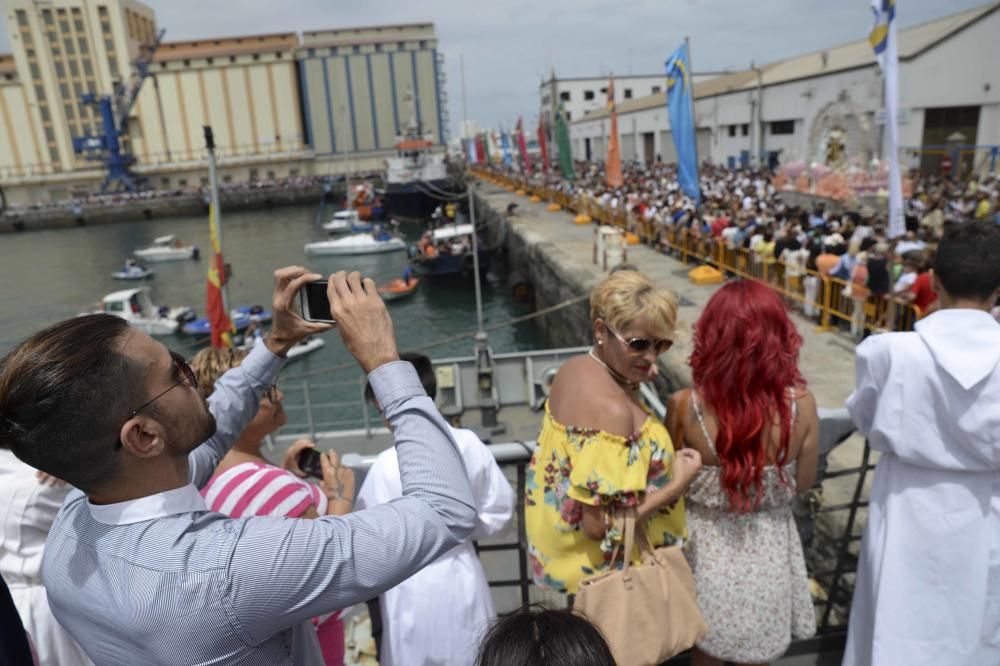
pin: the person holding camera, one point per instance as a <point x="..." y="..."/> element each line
<point x="245" y="483"/>
<point x="136" y="568"/>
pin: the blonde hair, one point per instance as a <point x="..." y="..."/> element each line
<point x="210" y="364"/>
<point x="626" y="297"/>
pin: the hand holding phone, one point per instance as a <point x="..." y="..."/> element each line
<point x="315" y="302"/>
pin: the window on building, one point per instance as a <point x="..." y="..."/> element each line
<point x="783" y="127"/>
<point x="357" y="49"/>
<point x="604" y="91"/>
<point x="628" y="93"/>
<point x="22" y="18"/>
<point x="293" y="173"/>
<point x="655" y="90"/>
<point x="732" y="130"/>
<point x="182" y="182"/>
<point x="253" y="175"/>
<point x="256" y="56"/>
<point x="745" y="129"/>
<point x="227" y="179"/>
<point x="82" y="44"/>
<point x="165" y="182"/>
<point x="204" y="181"/>
<point x="271" y="175"/>
<point x="209" y="61"/>
<point x="569" y="116"/>
<point x="588" y="95"/>
<point x="564" y="96"/>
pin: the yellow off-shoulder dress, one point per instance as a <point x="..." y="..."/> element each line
<point x="575" y="466"/>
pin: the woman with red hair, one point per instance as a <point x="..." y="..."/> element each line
<point x="754" y="423"/>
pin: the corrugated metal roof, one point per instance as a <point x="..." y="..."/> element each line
<point x="912" y="42"/>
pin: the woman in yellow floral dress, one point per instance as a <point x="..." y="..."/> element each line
<point x="599" y="447"/>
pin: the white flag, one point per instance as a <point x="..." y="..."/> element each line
<point x="883" y="41"/>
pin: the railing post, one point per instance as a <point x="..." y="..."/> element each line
<point x="596" y="227"/>
<point x="824" y="322"/>
<point x="309" y="413"/>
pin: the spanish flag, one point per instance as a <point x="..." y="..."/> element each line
<point x="215" y="308"/>
<point x="613" y="166"/>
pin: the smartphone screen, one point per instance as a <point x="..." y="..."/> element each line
<point x="309" y="462"/>
<point x="315" y="304"/>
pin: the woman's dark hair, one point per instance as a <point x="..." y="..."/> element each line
<point x="967" y="261"/>
<point x="536" y="635"/>
<point x="64" y="393"/>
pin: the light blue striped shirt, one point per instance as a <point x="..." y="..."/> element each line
<point x="160" y="580"/>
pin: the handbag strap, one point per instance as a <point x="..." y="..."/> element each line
<point x="629" y="527"/>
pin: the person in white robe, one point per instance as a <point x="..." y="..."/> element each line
<point x="29" y="505"/>
<point x="928" y="583"/>
<point x="440" y="614"/>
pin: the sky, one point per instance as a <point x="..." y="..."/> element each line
<point x="508" y="45"/>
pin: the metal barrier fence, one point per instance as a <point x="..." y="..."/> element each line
<point x="830" y="300"/>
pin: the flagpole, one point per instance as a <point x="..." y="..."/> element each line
<point x="215" y="218"/>
<point x="472" y="216"/>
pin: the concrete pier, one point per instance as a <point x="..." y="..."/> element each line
<point x="556" y="256"/>
<point x="186" y="205"/>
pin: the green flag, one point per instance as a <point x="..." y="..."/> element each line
<point x="562" y="142"/>
<point x="486" y="146"/>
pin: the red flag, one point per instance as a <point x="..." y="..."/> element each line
<point x="218" y="318"/>
<point x="541" y="145"/>
<point x="525" y="159"/>
<point x="480" y="149"/>
<point x="613" y="166"/>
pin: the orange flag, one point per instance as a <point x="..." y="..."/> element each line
<point x="613" y="165"/>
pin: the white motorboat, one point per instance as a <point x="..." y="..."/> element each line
<point x="167" y="248"/>
<point x="357" y="244"/>
<point x="307" y="346"/>
<point x="132" y="271"/>
<point x="137" y="308"/>
<point x="346" y="221"/>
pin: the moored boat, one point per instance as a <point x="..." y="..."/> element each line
<point x="241" y="318"/>
<point x="448" y="251"/>
<point x="357" y="244"/>
<point x="137" y="308"/>
<point x="398" y="288"/>
<point x="132" y="271"/>
<point x="167" y="248"/>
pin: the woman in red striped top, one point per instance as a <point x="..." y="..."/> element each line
<point x="246" y="484"/>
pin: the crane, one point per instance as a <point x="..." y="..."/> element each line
<point x="107" y="146"/>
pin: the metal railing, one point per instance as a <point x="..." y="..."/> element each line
<point x="830" y="300"/>
<point x="832" y="610"/>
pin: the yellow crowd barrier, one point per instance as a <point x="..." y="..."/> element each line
<point x="830" y="301"/>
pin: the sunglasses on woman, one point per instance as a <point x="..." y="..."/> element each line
<point x="641" y="345"/>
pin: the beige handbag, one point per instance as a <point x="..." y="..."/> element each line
<point x="648" y="612"/>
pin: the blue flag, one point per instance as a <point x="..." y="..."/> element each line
<point x="680" y="107"/>
<point x="505" y="146"/>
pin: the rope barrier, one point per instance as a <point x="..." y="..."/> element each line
<point x="453" y="338"/>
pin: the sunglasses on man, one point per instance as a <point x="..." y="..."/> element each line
<point x="182" y="372"/>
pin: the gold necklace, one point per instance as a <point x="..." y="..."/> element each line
<point x="615" y="375"/>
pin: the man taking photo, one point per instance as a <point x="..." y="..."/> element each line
<point x="136" y="568"/>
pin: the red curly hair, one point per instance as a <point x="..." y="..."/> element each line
<point x="745" y="358"/>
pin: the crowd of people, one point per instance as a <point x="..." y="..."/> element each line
<point x="79" y="202"/>
<point x="144" y="524"/>
<point x="746" y="209"/>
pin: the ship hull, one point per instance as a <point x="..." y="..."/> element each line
<point x="414" y="201"/>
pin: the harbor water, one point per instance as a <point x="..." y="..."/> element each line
<point x="47" y="276"/>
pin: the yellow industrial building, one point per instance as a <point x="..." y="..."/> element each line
<point x="281" y="105"/>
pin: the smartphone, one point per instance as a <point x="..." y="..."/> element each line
<point x="315" y="303"/>
<point x="309" y="462"/>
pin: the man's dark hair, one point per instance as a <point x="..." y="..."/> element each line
<point x="425" y="371"/>
<point x="539" y="636"/>
<point x="64" y="394"/>
<point x="967" y="261"/>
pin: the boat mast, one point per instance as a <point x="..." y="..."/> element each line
<point x="216" y="217"/>
<point x="472" y="217"/>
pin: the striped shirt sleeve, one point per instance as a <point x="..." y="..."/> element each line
<point x="259" y="489"/>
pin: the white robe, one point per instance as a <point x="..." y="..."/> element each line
<point x="438" y="615"/>
<point x="928" y="582"/>
<point x="28" y="509"/>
